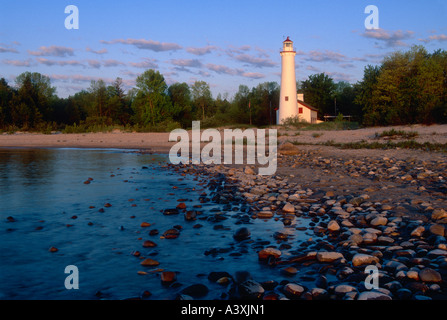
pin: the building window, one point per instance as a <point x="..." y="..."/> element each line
<point x="300" y="110"/>
<point x="287" y="98"/>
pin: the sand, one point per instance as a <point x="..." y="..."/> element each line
<point x="159" y="142"/>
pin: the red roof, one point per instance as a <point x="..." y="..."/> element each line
<point x="288" y="40"/>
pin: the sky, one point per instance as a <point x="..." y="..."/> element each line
<point x="224" y="43"/>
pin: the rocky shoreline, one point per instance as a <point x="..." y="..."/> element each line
<point x="354" y="211"/>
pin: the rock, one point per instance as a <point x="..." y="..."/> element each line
<point x="149" y="244"/>
<point x="288" y="208"/>
<point x="436" y="253"/>
<point x="214" y="276"/>
<point x="149" y="263"/>
<point x="288" y="148"/>
<point x="361" y="259"/>
<point x="356" y="238"/>
<point x="266" y="253"/>
<point x="241" y="234"/>
<point x="190" y="215"/>
<point x="319" y="294"/>
<point x="438" y="214"/>
<point x="196" y="290"/>
<point x="249" y="171"/>
<point x="289" y="271"/>
<point x="413" y="275"/>
<point x="430" y="275"/>
<point x="418" y="232"/>
<point x="264" y="214"/>
<point x="369" y="238"/>
<point x="168" y="212"/>
<point x="171" y="234"/>
<point x="379" y="221"/>
<point x="251" y="289"/>
<point x="373" y="295"/>
<point x="437" y="229"/>
<point x="333" y="226"/>
<point x="53" y="249"/>
<point x="11" y="219"/>
<point x="181" y="206"/>
<point x="145" y="224"/>
<point x="325" y="256"/>
<point x="167" y="277"/>
<point x="293" y="290"/>
<point x="342" y="289"/>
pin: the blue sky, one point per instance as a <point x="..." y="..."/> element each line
<point x="224" y="43"/>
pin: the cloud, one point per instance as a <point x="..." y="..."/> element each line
<point x="102" y="51"/>
<point x="4" y="49"/>
<point x="94" y="64"/>
<point x="438" y="37"/>
<point x="220" y="69"/>
<point x="146" y="44"/>
<point x="325" y="56"/>
<point x="59" y="63"/>
<point x="255" y="61"/>
<point x="237" y="50"/>
<point x="112" y="63"/>
<point x="253" y="75"/>
<point x="55" y="51"/>
<point x="390" y="38"/>
<point x="194" y="63"/>
<point x="19" y="63"/>
<point x="147" y="64"/>
<point x="201" y="51"/>
<point x="339" y="76"/>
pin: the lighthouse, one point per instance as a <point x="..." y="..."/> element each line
<point x="288" y="102"/>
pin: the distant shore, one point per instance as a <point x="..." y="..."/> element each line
<point x="155" y="142"/>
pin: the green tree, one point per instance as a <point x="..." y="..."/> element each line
<point x="180" y="96"/>
<point x="6" y="95"/>
<point x="32" y="103"/>
<point x="151" y="104"/>
<point x="318" y="90"/>
<point x="364" y="96"/>
<point x="202" y="98"/>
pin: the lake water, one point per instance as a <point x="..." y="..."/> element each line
<point x="43" y="190"/>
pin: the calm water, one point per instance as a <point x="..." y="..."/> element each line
<point x="44" y="191"/>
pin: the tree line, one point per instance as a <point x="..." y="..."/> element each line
<point x="406" y="88"/>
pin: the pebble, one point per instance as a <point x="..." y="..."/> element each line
<point x="373" y="295"/>
<point x="430" y="275"/>
<point x="288" y="208"/>
<point x="333" y="226"/>
<point x="266" y="253"/>
<point x="364" y="259"/>
<point x="150" y="263"/>
<point x="251" y="289"/>
<point x="293" y="290"/>
<point x="168" y="277"/>
<point x="241" y="234"/>
<point x="324" y="256"/>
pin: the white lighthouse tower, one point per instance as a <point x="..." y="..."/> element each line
<point x="288" y="102"/>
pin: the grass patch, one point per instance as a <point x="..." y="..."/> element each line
<point x="410" y="144"/>
<point x="394" y="134"/>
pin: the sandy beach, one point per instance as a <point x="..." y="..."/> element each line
<point x="159" y="142"/>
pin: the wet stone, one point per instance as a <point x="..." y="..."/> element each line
<point x="251" y="289"/>
<point x="241" y="234"/>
